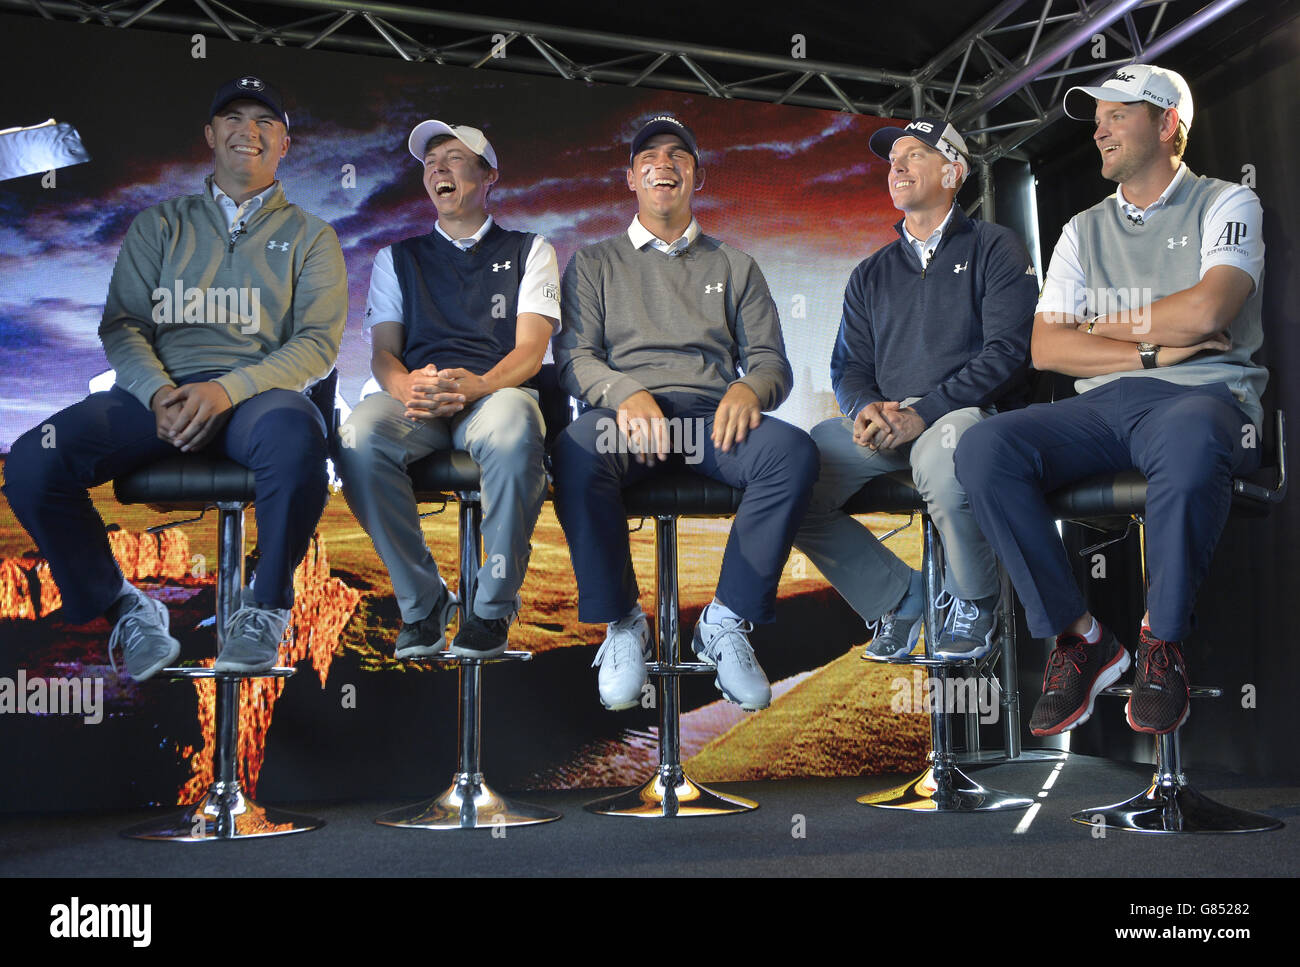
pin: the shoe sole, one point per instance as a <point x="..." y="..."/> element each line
<point x="975" y="655"/>
<point x="1107" y="677"/>
<point x="1149" y="730"/>
<point x="246" y="668"/>
<point x="438" y="647"/>
<point x="696" y="644"/>
<point x="159" y="665"/>
<point x="483" y="655"/>
<point x="913" y="637"/>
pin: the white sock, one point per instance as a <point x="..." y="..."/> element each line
<point x="1093" y="634"/>
<point x="716" y="611"/>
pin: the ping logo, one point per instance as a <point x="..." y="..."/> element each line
<point x="712" y="288"/>
<point x="277" y="246"/>
<point x="925" y="126"/>
<point x="496" y="267"/>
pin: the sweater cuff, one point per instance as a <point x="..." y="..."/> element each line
<point x="930" y="408"/>
<point x="146" y="390"/>
<point x="237" y="386"/>
<point x="618" y="392"/>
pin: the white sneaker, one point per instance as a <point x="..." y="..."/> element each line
<point x="253" y="637"/>
<point x="622" y="657"/>
<point x="725" y="645"/>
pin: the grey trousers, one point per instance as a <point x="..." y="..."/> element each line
<point x="866" y="573"/>
<point x="503" y="433"/>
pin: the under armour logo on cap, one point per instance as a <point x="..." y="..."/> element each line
<point x="250" y="84"/>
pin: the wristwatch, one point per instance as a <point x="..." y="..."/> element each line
<point x="1148" y="352"/>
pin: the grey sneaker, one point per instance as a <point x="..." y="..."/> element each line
<point x="621" y="659"/>
<point x="725" y="645"/>
<point x="428" y="636"/>
<point x="253" y="637"/>
<point x="970" y="629"/>
<point x="143" y="631"/>
<point x="895" y="632"/>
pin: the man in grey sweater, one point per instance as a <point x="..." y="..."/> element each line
<point x="672" y="339"/>
<point x="224" y="307"/>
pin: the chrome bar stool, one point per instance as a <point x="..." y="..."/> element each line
<point x="1170" y="804"/>
<point x="943" y="786"/>
<point x="670" y="792"/>
<point x="225" y="812"/>
<point x="469" y="802"/>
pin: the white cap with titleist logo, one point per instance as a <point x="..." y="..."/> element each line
<point x="1136" y="82"/>
<point x="472" y="138"/>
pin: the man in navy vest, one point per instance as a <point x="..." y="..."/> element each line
<point x="934" y="338"/>
<point x="459" y="321"/>
<point x="1153" y="300"/>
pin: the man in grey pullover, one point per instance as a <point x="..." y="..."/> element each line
<point x="673" y="340"/>
<point x="223" y="308"/>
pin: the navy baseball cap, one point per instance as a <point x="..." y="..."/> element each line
<point x="664" y="124"/>
<point x="249" y="88"/>
<point x="940" y="135"/>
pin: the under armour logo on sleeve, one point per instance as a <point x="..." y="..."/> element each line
<point x="496" y="266"/>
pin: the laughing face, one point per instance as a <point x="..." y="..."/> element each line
<point x="247" y="141"/>
<point x="1128" y="139"/>
<point x="455" y="180"/>
<point x="920" y="178"/>
<point x="663" y="175"/>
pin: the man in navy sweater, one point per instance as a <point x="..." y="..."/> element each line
<point x="459" y="319"/>
<point x="934" y="337"/>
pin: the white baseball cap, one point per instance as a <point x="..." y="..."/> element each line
<point x="472" y="138"/>
<point x="1136" y="82"/>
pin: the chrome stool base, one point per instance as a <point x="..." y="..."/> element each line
<point x="224" y="812"/>
<point x="946" y="791"/>
<point x="468" y="803"/>
<point x="1175" y="807"/>
<point x="1170" y="804"/>
<point x="668" y="794"/>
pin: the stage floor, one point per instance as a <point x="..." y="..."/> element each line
<point x="839" y="837"/>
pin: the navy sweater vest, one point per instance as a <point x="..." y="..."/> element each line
<point x="459" y="307"/>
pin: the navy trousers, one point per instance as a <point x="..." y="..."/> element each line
<point x="280" y="435"/>
<point x="776" y="465"/>
<point x="1188" y="441"/>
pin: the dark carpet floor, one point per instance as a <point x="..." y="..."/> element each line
<point x="802" y="828"/>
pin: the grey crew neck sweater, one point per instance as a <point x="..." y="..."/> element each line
<point x="637" y="319"/>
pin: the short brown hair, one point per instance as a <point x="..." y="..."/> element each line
<point x="438" y="139"/>
<point x="1180" y="136"/>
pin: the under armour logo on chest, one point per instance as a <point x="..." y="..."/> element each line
<point x="713" y="288"/>
<point x="277" y="246"/>
<point x="1180" y="242"/>
<point x="497" y="267"/>
<point x="960" y="266"/>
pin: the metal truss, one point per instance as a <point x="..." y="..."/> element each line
<point x="1000" y="81"/>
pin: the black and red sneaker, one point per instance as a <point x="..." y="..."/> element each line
<point x="1076" y="673"/>
<point x="1159" y="702"/>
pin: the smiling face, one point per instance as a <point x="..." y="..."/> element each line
<point x="920" y="178"/>
<point x="1129" y="139"/>
<point x="247" y="141"/>
<point x="456" y="180"/>
<point x="663" y="174"/>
